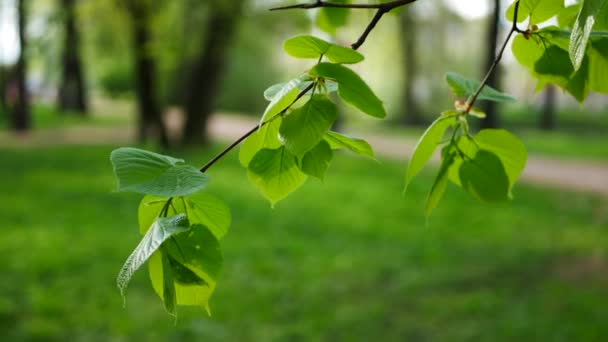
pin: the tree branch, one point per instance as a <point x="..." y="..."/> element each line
<point x="387" y="6"/>
<point x="381" y="8"/>
<point x="471" y="101"/>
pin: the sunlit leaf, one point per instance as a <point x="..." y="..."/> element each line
<point x="303" y="128"/>
<point x="351" y="88"/>
<point x="340" y="141"/>
<point x="316" y="161"/>
<point x="275" y="173"/>
<point x="426" y="146"/>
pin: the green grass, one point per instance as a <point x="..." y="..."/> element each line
<point x="350" y="259"/>
<point x="45" y="116"/>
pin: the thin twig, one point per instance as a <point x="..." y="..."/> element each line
<point x="514" y="28"/>
<point x="320" y="3"/>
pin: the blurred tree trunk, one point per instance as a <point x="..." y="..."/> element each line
<point x="150" y="123"/>
<point x="411" y="114"/>
<point x="72" y="92"/>
<point x="547" y="119"/>
<point x="208" y="68"/>
<point x="490" y="107"/>
<point x="21" y="120"/>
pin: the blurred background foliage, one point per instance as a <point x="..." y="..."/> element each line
<point x="349" y="259"/>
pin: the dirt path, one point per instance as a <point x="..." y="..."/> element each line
<point x="580" y="175"/>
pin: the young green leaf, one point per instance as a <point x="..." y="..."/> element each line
<point x="202" y="208"/>
<point x="582" y="30"/>
<point x="169" y="297"/>
<point x="209" y="211"/>
<point x="154" y="174"/>
<point x="466" y="87"/>
<point x="316" y="162"/>
<point x="195" y="260"/>
<point x="303" y="128"/>
<point x="306" y="47"/>
<point x="510" y="150"/>
<point x="329" y="19"/>
<point x="439" y="185"/>
<point x="538" y="10"/>
<point x="265" y="137"/>
<point x="282" y="99"/>
<point x="340" y="141"/>
<point x="275" y="173"/>
<point x="351" y="88"/>
<point x="198" y="250"/>
<point x="426" y="146"/>
<point x="484" y="177"/>
<point x="161" y="230"/>
<point x="313" y="48"/>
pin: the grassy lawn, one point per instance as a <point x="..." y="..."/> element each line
<point x="350" y="259"/>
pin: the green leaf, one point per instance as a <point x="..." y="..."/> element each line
<point x="169" y="296"/>
<point x="273" y="90"/>
<point x="195" y="262"/>
<point x="161" y="230"/>
<point x="351" y="88"/>
<point x="155" y="174"/>
<point x="316" y="162"/>
<point x="305" y="46"/>
<point x="484" y="177"/>
<point x="466" y="87"/>
<point x="275" y="173"/>
<point x="538" y="10"/>
<point x="426" y="146"/>
<point x="582" y="30"/>
<point x="313" y="48"/>
<point x="329" y="19"/>
<point x="340" y="141"/>
<point x="282" y="99"/>
<point x="265" y="137"/>
<point x="510" y="150"/>
<point x="209" y="211"/>
<point x="202" y="208"/>
<point x="440" y="184"/>
<point x="303" y="128"/>
<point x="598" y="65"/>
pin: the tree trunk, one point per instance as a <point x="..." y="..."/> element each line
<point x="547" y="119"/>
<point x="411" y="115"/>
<point x="490" y="107"/>
<point x="21" y="120"/>
<point x="150" y="123"/>
<point x="208" y="68"/>
<point x="72" y="93"/>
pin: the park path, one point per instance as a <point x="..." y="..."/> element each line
<point x="579" y="175"/>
